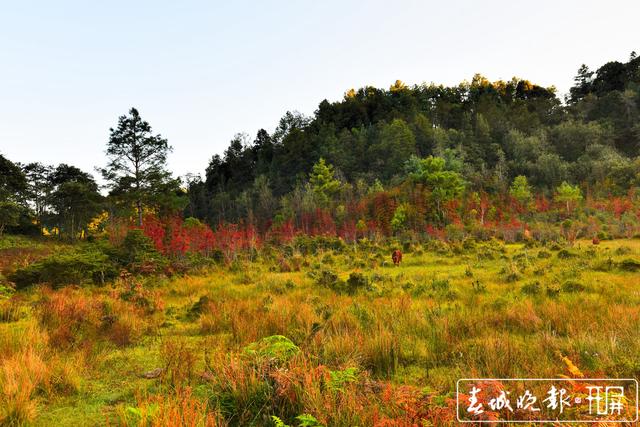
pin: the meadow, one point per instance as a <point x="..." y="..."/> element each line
<point x="317" y="332"/>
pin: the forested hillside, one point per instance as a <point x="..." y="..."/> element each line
<point x="490" y="132"/>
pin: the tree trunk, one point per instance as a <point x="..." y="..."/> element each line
<point x="139" y="208"/>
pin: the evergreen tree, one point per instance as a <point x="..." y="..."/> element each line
<point x="136" y="171"/>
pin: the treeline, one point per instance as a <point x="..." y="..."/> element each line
<point x="495" y="131"/>
<point x="419" y="156"/>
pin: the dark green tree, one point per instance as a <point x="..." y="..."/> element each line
<point x="13" y="185"/>
<point x="12" y="181"/>
<point x="136" y="171"/>
<point x="38" y="187"/>
<point x="74" y="200"/>
<point x="442" y="183"/>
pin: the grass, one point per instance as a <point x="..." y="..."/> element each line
<point x="385" y="352"/>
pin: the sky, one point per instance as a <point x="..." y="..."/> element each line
<point x="201" y="71"/>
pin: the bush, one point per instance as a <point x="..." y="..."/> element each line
<point x="327" y="278"/>
<point x="355" y="282"/>
<point x="565" y="254"/>
<point x="573" y="286"/>
<point x="66" y="269"/>
<point x="139" y="254"/>
<point x="199" y="307"/>
<point x="623" y="250"/>
<point x="544" y="254"/>
<point x="311" y="245"/>
<point x="629" y="264"/>
<point x="553" y="290"/>
<point x="531" y="288"/>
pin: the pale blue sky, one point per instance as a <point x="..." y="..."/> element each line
<point x="200" y="72"/>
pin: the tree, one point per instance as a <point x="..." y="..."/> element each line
<point x="520" y="190"/>
<point x="397" y="143"/>
<point x="582" y="84"/>
<point x="9" y="215"/>
<point x="322" y="181"/>
<point x="568" y="194"/>
<point x="136" y="170"/>
<point x="12" y="187"/>
<point x="399" y="219"/>
<point x="12" y="180"/>
<point x="74" y="199"/>
<point x="444" y="185"/>
<point x="572" y="139"/>
<point x="38" y="187"/>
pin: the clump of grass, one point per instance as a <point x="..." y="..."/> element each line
<point x="478" y="286"/>
<point x="381" y="352"/>
<point x="11" y="310"/>
<point x="127" y="328"/>
<point x="31" y="372"/>
<point x="179" y="409"/>
<point x="199" y="307"/>
<point x="603" y="265"/>
<point x="73" y="319"/>
<point x="179" y="360"/>
<point x="20" y="377"/>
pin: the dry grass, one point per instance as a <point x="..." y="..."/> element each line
<point x="387" y="355"/>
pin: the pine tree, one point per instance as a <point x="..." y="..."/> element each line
<point x="136" y="171"/>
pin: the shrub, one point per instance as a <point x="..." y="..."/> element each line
<point x="622" y="250"/>
<point x="544" y="254"/>
<point x="531" y="288"/>
<point x="78" y="267"/>
<point x="629" y="264"/>
<point x="573" y="286"/>
<point x="356" y="281"/>
<point x="553" y="290"/>
<point x="565" y="254"/>
<point x="139" y="254"/>
<point x="329" y="279"/>
<point x="312" y="244"/>
<point x="199" y="307"/>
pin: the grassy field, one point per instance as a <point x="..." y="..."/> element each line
<point x="335" y="337"/>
